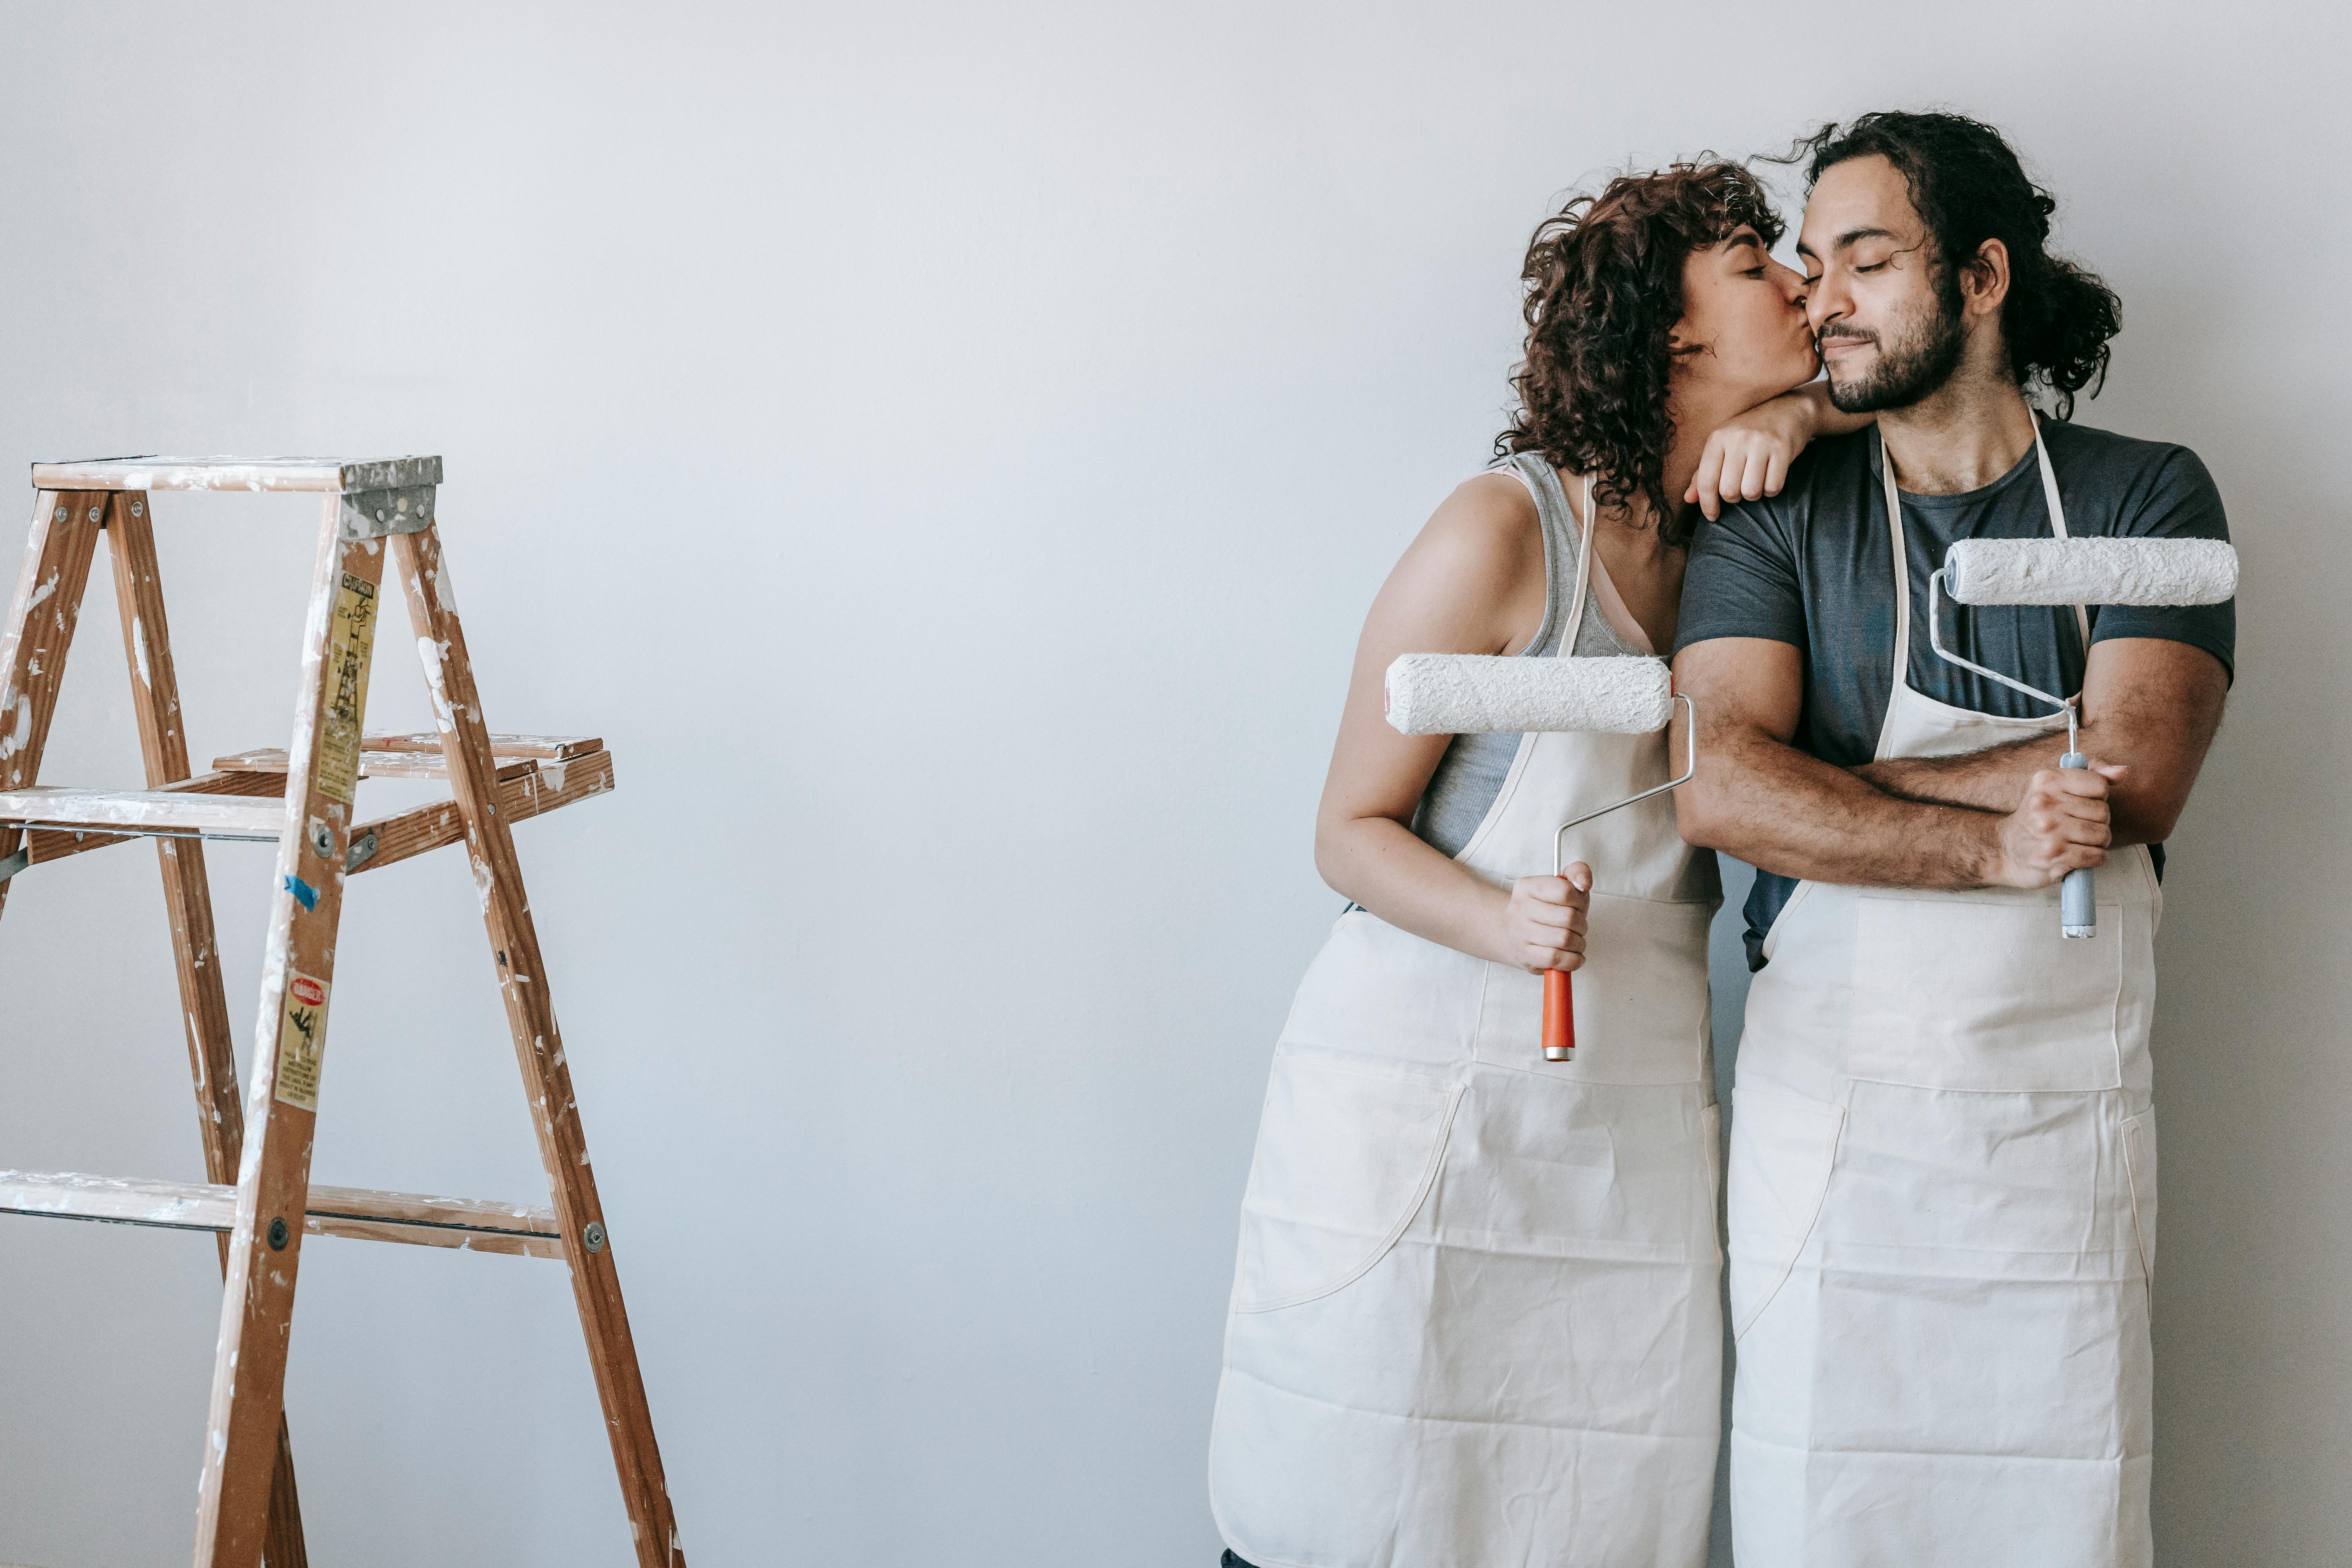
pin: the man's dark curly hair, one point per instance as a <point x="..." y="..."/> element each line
<point x="1969" y="186"/>
<point x="1603" y="281"/>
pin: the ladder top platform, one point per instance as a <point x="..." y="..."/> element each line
<point x="345" y="475"/>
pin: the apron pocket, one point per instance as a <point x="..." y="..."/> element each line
<point x="1782" y="1151"/>
<point x="1981" y="994"/>
<point x="1375" y="991"/>
<point x="1642" y="1003"/>
<point x="1346" y="1156"/>
<point x="2139" y="1164"/>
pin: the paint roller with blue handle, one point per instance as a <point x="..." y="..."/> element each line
<point x="2066" y="572"/>
<point x="1463" y="693"/>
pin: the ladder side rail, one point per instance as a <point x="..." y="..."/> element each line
<point x="39" y="631"/>
<point x="282" y="1108"/>
<point x="538" y="1047"/>
<point x="188" y="905"/>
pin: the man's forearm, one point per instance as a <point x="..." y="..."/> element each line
<point x="2149" y="703"/>
<point x="1995" y="779"/>
<point x="1785" y="812"/>
<point x="1990" y="780"/>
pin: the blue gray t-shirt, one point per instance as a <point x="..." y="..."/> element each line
<point x="1813" y="567"/>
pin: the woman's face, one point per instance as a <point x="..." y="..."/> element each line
<point x="1746" y="313"/>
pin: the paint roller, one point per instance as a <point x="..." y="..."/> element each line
<point x="2169" y="572"/>
<point x="1459" y="694"/>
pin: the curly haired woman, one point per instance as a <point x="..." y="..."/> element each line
<point x="1474" y="1317"/>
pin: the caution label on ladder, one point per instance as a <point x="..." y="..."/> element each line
<point x="302" y="1041"/>
<point x="351" y="638"/>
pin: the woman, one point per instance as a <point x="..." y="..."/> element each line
<point x="1474" y="1317"/>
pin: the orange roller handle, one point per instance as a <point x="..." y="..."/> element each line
<point x="1559" y="1017"/>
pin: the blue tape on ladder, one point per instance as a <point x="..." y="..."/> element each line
<point x="304" y="894"/>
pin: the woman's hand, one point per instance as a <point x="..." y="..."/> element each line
<point x="1543" y="925"/>
<point x="1748" y="457"/>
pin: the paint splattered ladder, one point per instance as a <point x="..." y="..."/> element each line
<point x="305" y="799"/>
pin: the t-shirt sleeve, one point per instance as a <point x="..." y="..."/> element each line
<point x="2179" y="502"/>
<point x="1742" y="581"/>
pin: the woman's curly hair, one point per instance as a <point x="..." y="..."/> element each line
<point x="1605" y="288"/>
<point x="1967" y="186"/>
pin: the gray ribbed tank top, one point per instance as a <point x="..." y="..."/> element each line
<point x="1471" y="773"/>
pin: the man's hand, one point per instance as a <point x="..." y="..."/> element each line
<point x="2061" y="825"/>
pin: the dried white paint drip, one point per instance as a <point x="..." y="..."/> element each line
<point x="432" y="653"/>
<point x="22" y="736"/>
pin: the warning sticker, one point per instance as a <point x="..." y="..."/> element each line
<point x="302" y="1041"/>
<point x="351" y="637"/>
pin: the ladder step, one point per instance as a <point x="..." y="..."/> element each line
<point x="344" y="474"/>
<point x="546" y="748"/>
<point x="181" y="811"/>
<point x="375" y="764"/>
<point x="391" y="840"/>
<point x="467" y="1223"/>
<point x="419" y="756"/>
<point x="56" y="844"/>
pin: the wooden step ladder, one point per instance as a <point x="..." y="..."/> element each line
<point x="304" y="797"/>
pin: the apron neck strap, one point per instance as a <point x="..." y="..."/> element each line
<point x="1585" y="531"/>
<point x="1902" y="559"/>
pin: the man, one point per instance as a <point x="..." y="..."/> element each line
<point x="1942" y="1183"/>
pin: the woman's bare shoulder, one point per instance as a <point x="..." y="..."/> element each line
<point x="1477" y="566"/>
<point x="1490" y="520"/>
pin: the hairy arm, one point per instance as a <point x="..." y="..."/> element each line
<point x="1473" y="582"/>
<point x="2150" y="704"/>
<point x="1760" y="798"/>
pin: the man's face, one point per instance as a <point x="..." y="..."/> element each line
<point x="1889" y="332"/>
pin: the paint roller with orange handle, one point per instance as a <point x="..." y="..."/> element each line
<point x="1461" y="694"/>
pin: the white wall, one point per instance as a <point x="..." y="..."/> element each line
<point x="946" y="452"/>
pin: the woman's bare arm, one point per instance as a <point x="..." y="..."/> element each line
<point x="1474" y="581"/>
<point x="1747" y="457"/>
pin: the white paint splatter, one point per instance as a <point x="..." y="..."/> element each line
<point x="22" y="736"/>
<point x="432" y="653"/>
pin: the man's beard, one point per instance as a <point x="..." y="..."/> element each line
<point x="1910" y="369"/>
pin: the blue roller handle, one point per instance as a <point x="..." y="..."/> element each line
<point x="2078" y="907"/>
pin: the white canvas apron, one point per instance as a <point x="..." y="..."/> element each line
<point x="1942" y="1207"/>
<point x="1474" y="1319"/>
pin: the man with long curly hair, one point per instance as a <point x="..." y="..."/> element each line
<point x="1942" y="1181"/>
